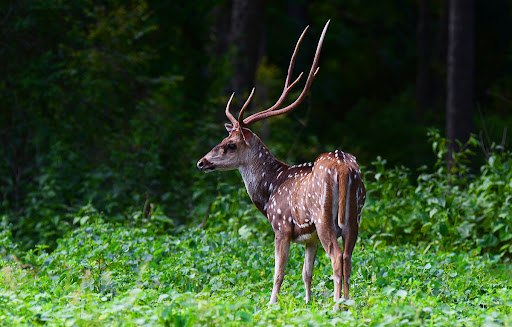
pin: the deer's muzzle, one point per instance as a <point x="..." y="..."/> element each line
<point x="205" y="165"/>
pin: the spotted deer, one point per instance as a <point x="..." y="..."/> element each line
<point x="306" y="203"/>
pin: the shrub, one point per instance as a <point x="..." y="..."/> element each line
<point x="449" y="206"/>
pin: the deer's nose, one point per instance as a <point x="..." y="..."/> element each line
<point x="205" y="165"/>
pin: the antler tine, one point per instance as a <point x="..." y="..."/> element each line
<point x="246" y="104"/>
<point x="312" y="73"/>
<point x="228" y="114"/>
<point x="294" y="55"/>
<point x="287" y="86"/>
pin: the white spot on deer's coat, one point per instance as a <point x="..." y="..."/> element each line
<point x="259" y="155"/>
<point x="279" y="211"/>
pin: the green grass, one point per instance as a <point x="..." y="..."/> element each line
<point x="105" y="275"/>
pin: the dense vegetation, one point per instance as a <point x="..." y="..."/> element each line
<point x="111" y="102"/>
<point x="104" y="219"/>
<point x="431" y="252"/>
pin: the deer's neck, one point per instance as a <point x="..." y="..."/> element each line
<point x="260" y="176"/>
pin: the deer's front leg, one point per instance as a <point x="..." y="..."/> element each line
<point x="307" y="269"/>
<point x="282" y="246"/>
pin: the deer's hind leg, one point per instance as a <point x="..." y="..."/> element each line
<point x="327" y="236"/>
<point x="349" y="240"/>
<point x="326" y="226"/>
<point x="330" y="243"/>
<point x="350" y="229"/>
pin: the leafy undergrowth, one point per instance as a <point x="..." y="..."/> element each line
<point x="102" y="274"/>
<point x="455" y="208"/>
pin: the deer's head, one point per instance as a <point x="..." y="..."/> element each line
<point x="234" y="151"/>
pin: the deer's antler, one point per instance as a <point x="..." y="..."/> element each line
<point x="275" y="110"/>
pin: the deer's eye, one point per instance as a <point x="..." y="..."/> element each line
<point x="231" y="146"/>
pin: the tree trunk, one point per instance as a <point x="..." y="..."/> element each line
<point x="246" y="36"/>
<point x="438" y="84"/>
<point x="423" y="94"/>
<point x="460" y="73"/>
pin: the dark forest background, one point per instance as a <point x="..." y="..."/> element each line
<point x="109" y="104"/>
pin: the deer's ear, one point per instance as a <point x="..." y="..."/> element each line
<point x="229" y="127"/>
<point x="247" y="135"/>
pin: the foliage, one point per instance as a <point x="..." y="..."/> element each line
<point x="104" y="218"/>
<point x="88" y="116"/>
<point x="106" y="274"/>
<point x="449" y="206"/>
<point x="432" y="251"/>
<point x="110" y="103"/>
